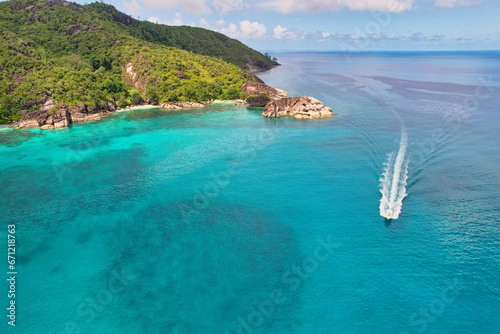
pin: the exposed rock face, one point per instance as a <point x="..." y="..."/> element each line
<point x="181" y="105"/>
<point x="47" y="106"/>
<point x="257" y="88"/>
<point x="133" y="74"/>
<point x="277" y="104"/>
<point x="53" y="115"/>
<point x="299" y="107"/>
<point x="76" y="28"/>
<point x="30" y="103"/>
<point x="27" y="122"/>
<point x="60" y="119"/>
<point x="181" y="75"/>
<point x="123" y="18"/>
<point x="257" y="65"/>
<point x="78" y="118"/>
<point x="82" y="108"/>
<point x="112" y="106"/>
<point x="239" y="102"/>
<point x="258" y="101"/>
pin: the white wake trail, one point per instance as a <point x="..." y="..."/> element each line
<point x="393" y="181"/>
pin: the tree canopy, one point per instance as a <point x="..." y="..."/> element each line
<point x="79" y="54"/>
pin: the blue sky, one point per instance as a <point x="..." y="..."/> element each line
<point x="354" y="25"/>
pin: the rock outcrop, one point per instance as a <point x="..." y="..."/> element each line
<point x="257" y="88"/>
<point x="76" y="28"/>
<point x="82" y="108"/>
<point x="255" y="65"/>
<point x="180" y="105"/>
<point x="258" y="101"/>
<point x="112" y="106"/>
<point x="239" y="102"/>
<point x="54" y="115"/>
<point x="298" y="107"/>
<point x="60" y="119"/>
<point x="137" y="74"/>
<point x="277" y="104"/>
<point x="180" y="74"/>
<point x="47" y="106"/>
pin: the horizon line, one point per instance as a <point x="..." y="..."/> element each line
<point x="366" y="51"/>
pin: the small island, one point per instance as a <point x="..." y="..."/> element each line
<point x="276" y="103"/>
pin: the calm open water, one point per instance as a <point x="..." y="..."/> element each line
<point x="219" y="220"/>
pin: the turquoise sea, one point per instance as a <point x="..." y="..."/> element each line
<point x="218" y="220"/>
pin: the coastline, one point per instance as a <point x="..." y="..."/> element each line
<point x="137" y="106"/>
<point x="29" y="122"/>
<point x="276" y="103"/>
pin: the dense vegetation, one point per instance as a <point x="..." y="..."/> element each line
<point x="68" y="52"/>
<point x="197" y="40"/>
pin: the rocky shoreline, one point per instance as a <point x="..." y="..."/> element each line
<point x="54" y="115"/>
<point x="298" y="107"/>
<point x="276" y="103"/>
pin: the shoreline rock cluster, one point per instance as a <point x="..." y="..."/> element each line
<point x="54" y="115"/>
<point x="298" y="107"/>
<point x="180" y="105"/>
<point x="276" y="103"/>
<point x="258" y="88"/>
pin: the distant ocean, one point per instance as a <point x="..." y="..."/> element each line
<point x="218" y="220"/>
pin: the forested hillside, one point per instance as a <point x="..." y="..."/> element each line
<point x="197" y="40"/>
<point x="65" y="52"/>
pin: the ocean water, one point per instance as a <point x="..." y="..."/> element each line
<point x="218" y="220"/>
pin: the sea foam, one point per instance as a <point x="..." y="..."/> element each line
<point x="393" y="181"/>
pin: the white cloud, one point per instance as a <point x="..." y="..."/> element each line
<point x="319" y="36"/>
<point x="154" y="19"/>
<point x="197" y="7"/>
<point x="205" y="24"/>
<point x="176" y="22"/>
<point x="309" y="6"/>
<point x="220" y="23"/>
<point x="132" y="7"/>
<point x="354" y="41"/>
<point x="456" y="3"/>
<point x="231" y="30"/>
<point x="247" y="29"/>
<point x="252" y="29"/>
<point x="279" y="32"/>
<point x="224" y="7"/>
<point x="284" y="33"/>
